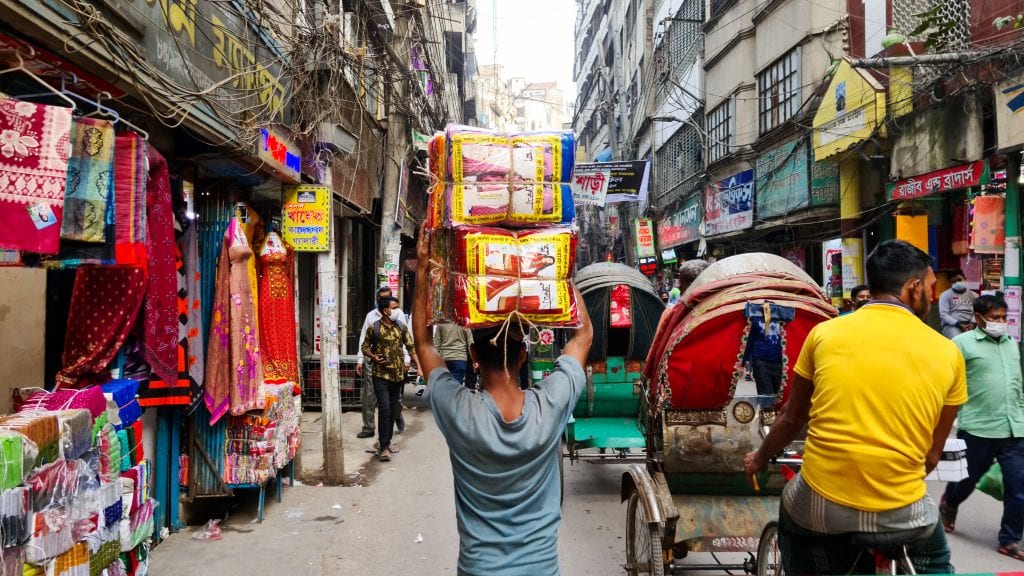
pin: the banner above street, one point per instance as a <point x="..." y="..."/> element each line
<point x="627" y="181"/>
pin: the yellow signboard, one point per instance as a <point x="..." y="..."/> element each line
<point x="849" y="113"/>
<point x="306" y="218"/>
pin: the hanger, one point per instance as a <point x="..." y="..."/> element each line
<point x="99" y="105"/>
<point x="52" y="91"/>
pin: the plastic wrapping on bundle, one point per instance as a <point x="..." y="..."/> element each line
<point x="138" y="527"/>
<point x="12" y="561"/>
<point x="281" y="409"/>
<point x="484" y="301"/>
<point x="41" y="428"/>
<point x="55" y="484"/>
<point x="15" y="516"/>
<point x="90" y="398"/>
<point x="249" y="450"/>
<point x="109" y="498"/>
<point x="140" y="475"/>
<point x="104" y="549"/>
<point x="74" y="562"/>
<point x="13" y="460"/>
<point x="500" y="204"/>
<point x="75" y="432"/>
<point x="51" y="535"/>
<point x="109" y="453"/>
<point x="469" y="154"/>
<point x="123" y="407"/>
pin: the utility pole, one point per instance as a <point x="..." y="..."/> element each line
<point x="327" y="280"/>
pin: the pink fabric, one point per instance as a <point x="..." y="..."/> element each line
<point x="35" y="143"/>
<point x="160" y="312"/>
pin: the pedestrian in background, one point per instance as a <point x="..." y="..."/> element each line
<point x="383" y="344"/>
<point x="956" y="306"/>
<point x="991" y="423"/>
<point x="453" y="342"/>
<point x="368" y="398"/>
<point x="860" y="295"/>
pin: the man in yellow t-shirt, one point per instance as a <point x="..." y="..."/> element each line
<point x="878" y="391"/>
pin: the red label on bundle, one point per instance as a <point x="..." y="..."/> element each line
<point x="621" y="312"/>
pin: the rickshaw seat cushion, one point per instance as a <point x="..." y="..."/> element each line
<point x="890" y="540"/>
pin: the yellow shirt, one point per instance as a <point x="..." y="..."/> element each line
<point x="881" y="378"/>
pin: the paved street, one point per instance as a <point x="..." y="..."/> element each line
<point x="375" y="526"/>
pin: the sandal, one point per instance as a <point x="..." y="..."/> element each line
<point x="1013" y="551"/>
<point x="948" y="516"/>
<point x="385" y="456"/>
<point x="393" y="450"/>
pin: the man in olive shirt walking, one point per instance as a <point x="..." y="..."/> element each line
<point x="992" y="421"/>
<point x="452" y="342"/>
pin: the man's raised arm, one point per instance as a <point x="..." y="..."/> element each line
<point x="579" y="346"/>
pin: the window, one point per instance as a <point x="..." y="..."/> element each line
<point x="778" y="91"/>
<point x="679" y="165"/>
<point x="720" y="130"/>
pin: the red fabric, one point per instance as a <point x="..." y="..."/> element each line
<point x="105" y="303"/>
<point x="959" y="242"/>
<point x="277" y="313"/>
<point x="35" y="143"/>
<point x="130" y="200"/>
<point x="621" y="310"/>
<point x="157" y="391"/>
<point x="700" y="368"/>
<point x="988" y="229"/>
<point x="669" y="320"/>
<point x="160" y="313"/>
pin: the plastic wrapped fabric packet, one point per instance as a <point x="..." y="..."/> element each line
<point x="55" y="484"/>
<point x="90" y="398"/>
<point x="543" y="156"/>
<point x="109" y="453"/>
<point x="476" y="155"/>
<point x="470" y="154"/>
<point x="123" y="394"/>
<point x="15" y="516"/>
<point x="545" y="253"/>
<point x="12" y="561"/>
<point x="42" y="428"/>
<point x="74" y="562"/>
<point x="51" y="535"/>
<point x="12" y="459"/>
<point x="484" y="301"/>
<point x="76" y="432"/>
<point x="500" y="204"/>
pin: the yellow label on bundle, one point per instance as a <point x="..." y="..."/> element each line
<point x="527" y="203"/>
<point x="491" y="255"/>
<point x="560" y="301"/>
<point x="479" y="203"/>
<point x="538" y="145"/>
<point x="462" y="140"/>
<point x="545" y="255"/>
<point x="490" y="302"/>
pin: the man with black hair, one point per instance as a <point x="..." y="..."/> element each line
<point x="956" y="306"/>
<point x="368" y="398"/>
<point x="505" y="442"/>
<point x="878" y="392"/>
<point x="991" y="423"/>
<point x="860" y="295"/>
<point x="387" y="344"/>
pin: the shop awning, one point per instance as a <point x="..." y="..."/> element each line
<point x="851" y="110"/>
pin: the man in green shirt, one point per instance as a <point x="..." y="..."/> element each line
<point x="991" y="423"/>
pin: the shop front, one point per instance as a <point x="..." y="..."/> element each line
<point x="728" y="210"/>
<point x="678" y="232"/>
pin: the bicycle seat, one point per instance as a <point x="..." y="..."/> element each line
<point x="889" y="540"/>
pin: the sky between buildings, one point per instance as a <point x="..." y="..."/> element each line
<point x="535" y="39"/>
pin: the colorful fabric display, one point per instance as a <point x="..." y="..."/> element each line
<point x="140" y="525"/>
<point x="196" y="348"/>
<point x="90" y="398"/>
<point x="154" y="391"/>
<point x="106" y="551"/>
<point x="468" y="154"/>
<point x="12" y="460"/>
<point x="51" y="535"/>
<point x="160" y="308"/>
<point x="104" y="306"/>
<point x="500" y="204"/>
<point x="109" y="498"/>
<point x="41" y="428"/>
<point x="130" y="200"/>
<point x="141" y="477"/>
<point x="90" y="180"/>
<point x="282" y="411"/>
<point x="126" y="450"/>
<point x="277" y="312"/>
<point x="15" y="516"/>
<point x="988" y="225"/>
<point x="123" y="406"/>
<point x="55" y="484"/>
<point x="248" y="450"/>
<point x="34" y="152"/>
<point x="110" y="453"/>
<point x="74" y="562"/>
<point x="75" y="432"/>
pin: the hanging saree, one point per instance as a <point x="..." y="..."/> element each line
<point x="130" y="204"/>
<point x="196" y="350"/>
<point x="155" y="390"/>
<point x="35" y="144"/>
<point x="277" y="313"/>
<point x="234" y="368"/>
<point x="160" y="312"/>
<point x="104" y="307"/>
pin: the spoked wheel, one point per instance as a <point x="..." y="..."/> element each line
<point x="769" y="560"/>
<point x="643" y="542"/>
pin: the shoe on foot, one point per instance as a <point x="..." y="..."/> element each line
<point x="385" y="456"/>
<point x="1013" y="551"/>
<point x="364" y="435"/>
<point x="948" y="516"/>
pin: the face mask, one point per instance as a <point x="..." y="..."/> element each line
<point x="995" y="329"/>
<point x="960" y="286"/>
<point x="396" y="314"/>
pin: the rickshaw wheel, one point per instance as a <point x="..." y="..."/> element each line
<point x="769" y="560"/>
<point x="643" y="542"/>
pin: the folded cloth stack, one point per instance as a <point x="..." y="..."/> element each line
<point x="90" y="398"/>
<point x="75" y="432"/>
<point x="249" y="457"/>
<point x="12" y="460"/>
<point x="55" y="484"/>
<point x="123" y="407"/>
<point x="15" y="517"/>
<point x="492" y="272"/>
<point x="138" y="527"/>
<point x="499" y="204"/>
<point x="41" y="428"/>
<point x="12" y="561"/>
<point x="280" y="409"/>
<point x="109" y="453"/>
<point x="104" y="548"/>
<point x="74" y="562"/>
<point x="51" y="535"/>
<point x="140" y="482"/>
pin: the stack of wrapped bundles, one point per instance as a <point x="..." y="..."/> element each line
<point x="258" y="446"/>
<point x="66" y="506"/>
<point x="501" y="212"/>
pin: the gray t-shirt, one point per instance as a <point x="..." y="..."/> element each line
<point x="507" y="486"/>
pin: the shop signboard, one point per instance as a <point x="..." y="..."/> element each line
<point x="728" y="204"/>
<point x="850" y="112"/>
<point x="1009" y="103"/>
<point x="782" y="180"/>
<point x="824" y="184"/>
<point x="669" y="256"/>
<point x="958" y="177"/>
<point x="306" y="218"/>
<point x="627" y="181"/>
<point x="644" y="234"/>
<point x="281" y="154"/>
<point x="682" y="225"/>
<point x="590" y="184"/>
